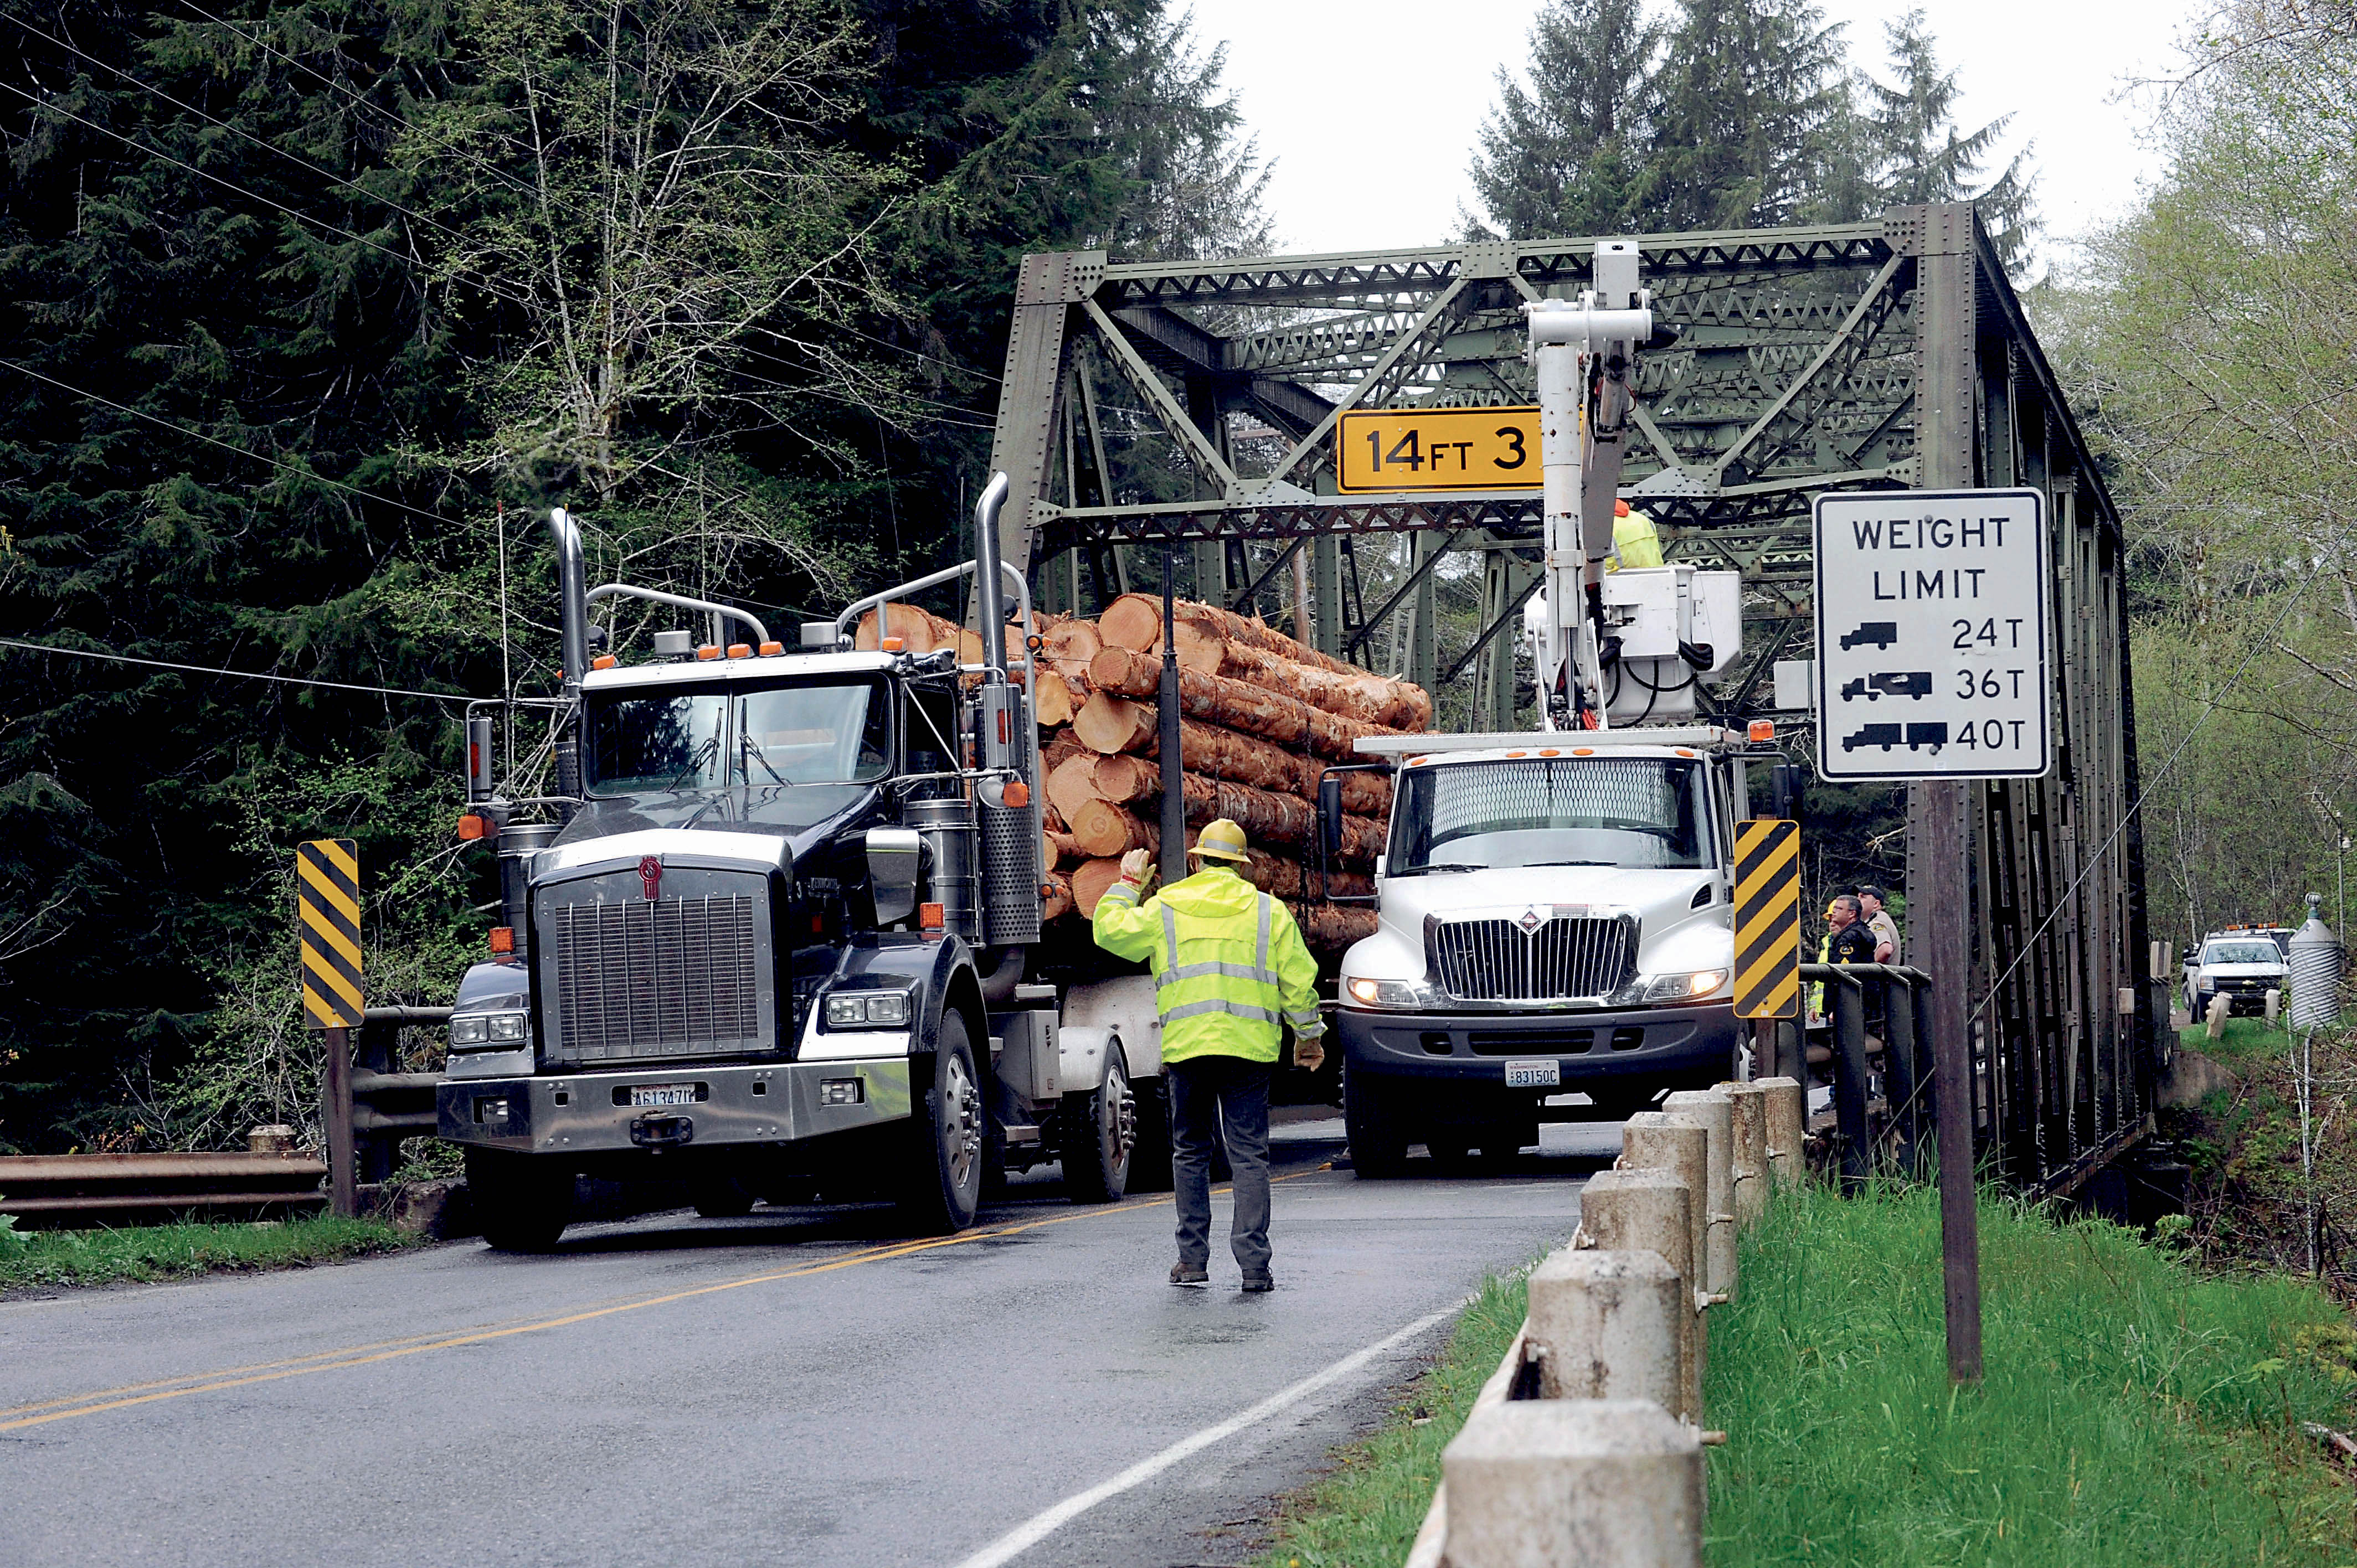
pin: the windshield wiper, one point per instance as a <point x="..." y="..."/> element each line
<point x="1437" y="865"/>
<point x="758" y="754"/>
<point x="704" y="753"/>
<point x="1533" y="862"/>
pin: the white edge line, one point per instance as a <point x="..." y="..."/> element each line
<point x="1040" y="1526"/>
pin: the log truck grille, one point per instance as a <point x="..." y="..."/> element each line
<point x="1560" y="959"/>
<point x="675" y="977"/>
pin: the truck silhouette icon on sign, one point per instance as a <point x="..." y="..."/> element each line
<point x="1890" y="684"/>
<point x="1934" y="736"/>
<point x="1883" y="736"/>
<point x="1881" y="633"/>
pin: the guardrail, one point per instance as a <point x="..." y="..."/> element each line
<point x="56" y="1191"/>
<point x="1585" y="1447"/>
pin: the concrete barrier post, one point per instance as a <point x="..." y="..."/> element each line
<point x="1605" y="1326"/>
<point x="1679" y="1145"/>
<point x="1788" y="1127"/>
<point x="1717" y="1115"/>
<point x="1574" y="1484"/>
<point x="1749" y="1108"/>
<point x="1648" y="1211"/>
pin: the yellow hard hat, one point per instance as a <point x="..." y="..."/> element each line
<point x="1221" y="839"/>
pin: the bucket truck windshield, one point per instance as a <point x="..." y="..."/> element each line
<point x="1644" y="813"/>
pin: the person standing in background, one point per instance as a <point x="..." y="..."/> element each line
<point x="1879" y="922"/>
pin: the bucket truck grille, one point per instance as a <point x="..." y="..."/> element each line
<point x="667" y="977"/>
<point x="1548" y="960"/>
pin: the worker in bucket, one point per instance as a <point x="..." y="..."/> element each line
<point x="1229" y="968"/>
<point x="1634" y="543"/>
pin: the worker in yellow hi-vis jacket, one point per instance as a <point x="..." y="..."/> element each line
<point x="1230" y="971"/>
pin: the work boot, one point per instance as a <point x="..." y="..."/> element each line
<point x="1186" y="1274"/>
<point x="1258" y="1281"/>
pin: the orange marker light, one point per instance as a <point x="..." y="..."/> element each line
<point x="1762" y="729"/>
<point x="1018" y="794"/>
<point x="770" y="649"/>
<point x="929" y="917"/>
<point x="893" y="644"/>
<point x="1518" y="754"/>
<point x="740" y="651"/>
<point x="1682" y="751"/>
<point x="1583" y="751"/>
<point x="603" y="662"/>
<point x="471" y="826"/>
<point x="707" y="651"/>
<point x="1549" y="751"/>
<point x="504" y="939"/>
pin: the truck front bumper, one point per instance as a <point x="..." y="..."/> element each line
<point x="591" y="1112"/>
<point x="1670" y="1047"/>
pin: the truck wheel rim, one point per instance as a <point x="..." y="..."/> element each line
<point x="961" y="1125"/>
<point x="1119" y="1118"/>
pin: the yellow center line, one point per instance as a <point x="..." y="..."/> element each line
<point x="390" y="1351"/>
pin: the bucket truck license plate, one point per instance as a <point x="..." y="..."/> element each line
<point x="662" y="1094"/>
<point x="1534" y="1074"/>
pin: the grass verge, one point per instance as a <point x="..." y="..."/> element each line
<point x="2244" y="1040"/>
<point x="50" y="1259"/>
<point x="2133" y="1412"/>
<point x="1366" y="1511"/>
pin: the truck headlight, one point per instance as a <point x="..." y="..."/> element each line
<point x="867" y="1010"/>
<point x="1373" y="992"/>
<point x="1691" y="987"/>
<point x="478" y="1029"/>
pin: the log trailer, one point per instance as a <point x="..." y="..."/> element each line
<point x="1554" y="908"/>
<point x="784" y="935"/>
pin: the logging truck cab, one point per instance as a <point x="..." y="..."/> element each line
<point x="776" y="934"/>
<point x="1554" y="920"/>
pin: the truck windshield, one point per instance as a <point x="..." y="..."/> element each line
<point x="839" y="733"/>
<point x="835" y="733"/>
<point x="656" y="740"/>
<point x="1606" y="811"/>
<point x="2242" y="952"/>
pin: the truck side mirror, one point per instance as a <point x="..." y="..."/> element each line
<point x="895" y="857"/>
<point x="481" y="756"/>
<point x="1330" y="813"/>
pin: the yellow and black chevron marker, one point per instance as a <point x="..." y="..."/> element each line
<point x="328" y="898"/>
<point x="1767" y="919"/>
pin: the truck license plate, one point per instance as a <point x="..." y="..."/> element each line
<point x="675" y="1094"/>
<point x="1534" y="1074"/>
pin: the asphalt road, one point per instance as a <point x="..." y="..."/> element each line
<point x="800" y="1386"/>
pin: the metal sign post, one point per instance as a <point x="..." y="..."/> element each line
<point x="1767" y="933"/>
<point x="1934" y="666"/>
<point x="328" y="913"/>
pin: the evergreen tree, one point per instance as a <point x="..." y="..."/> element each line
<point x="1921" y="157"/>
<point x="1565" y="156"/>
<point x="1751" y="121"/>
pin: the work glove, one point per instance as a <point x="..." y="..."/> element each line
<point x="1138" y="867"/>
<point x="1308" y="1055"/>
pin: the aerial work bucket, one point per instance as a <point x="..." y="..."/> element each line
<point x="2316" y="970"/>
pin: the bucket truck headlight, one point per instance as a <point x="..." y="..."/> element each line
<point x="1700" y="985"/>
<point x="1371" y="992"/>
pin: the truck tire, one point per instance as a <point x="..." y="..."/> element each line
<point x="1370" y="1121"/>
<point x="523" y="1204"/>
<point x="1100" y="1136"/>
<point x="945" y="1154"/>
<point x="1150" y="1159"/>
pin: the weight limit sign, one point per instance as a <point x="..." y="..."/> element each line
<point x="1767" y="919"/>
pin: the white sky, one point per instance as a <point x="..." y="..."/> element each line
<point x="1370" y="108"/>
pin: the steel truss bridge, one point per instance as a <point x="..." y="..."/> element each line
<point x="1148" y="408"/>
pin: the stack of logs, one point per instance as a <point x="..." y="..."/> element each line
<point x="1262" y="715"/>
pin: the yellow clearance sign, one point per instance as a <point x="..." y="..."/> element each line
<point x="1439" y="449"/>
<point x="328" y="903"/>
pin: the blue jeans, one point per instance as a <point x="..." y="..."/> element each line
<point x="1211" y="1095"/>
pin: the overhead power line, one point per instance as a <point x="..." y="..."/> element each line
<point x="236" y="674"/>
<point x="177" y="428"/>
